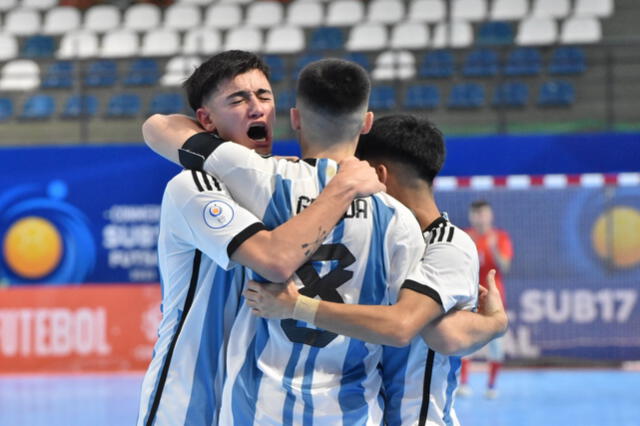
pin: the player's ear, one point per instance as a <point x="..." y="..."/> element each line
<point x="368" y="122"/>
<point x="383" y="172"/>
<point x="205" y="120"/>
<point x="294" y="117"/>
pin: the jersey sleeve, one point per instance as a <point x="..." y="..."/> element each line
<point x="447" y="274"/>
<point x="207" y="217"/>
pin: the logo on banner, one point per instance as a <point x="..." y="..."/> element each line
<point x="218" y="214"/>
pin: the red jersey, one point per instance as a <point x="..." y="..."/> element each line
<point x="485" y="256"/>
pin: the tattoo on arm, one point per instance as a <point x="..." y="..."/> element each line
<point x="313" y="246"/>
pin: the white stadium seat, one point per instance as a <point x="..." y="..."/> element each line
<point x="102" y="18"/>
<point x="550" y="9"/>
<point x="579" y="30"/>
<point x="409" y="35"/>
<point x="22" y="22"/>
<point x="244" y="38"/>
<point x="264" y="14"/>
<point x="6" y="5"/>
<point x="78" y="44"/>
<point x="205" y="41"/>
<point x="509" y="10"/>
<point x="223" y="16"/>
<point x="61" y="20"/>
<point x="142" y="17"/>
<point x="386" y="11"/>
<point x="236" y="1"/>
<point x="599" y="8"/>
<point x="394" y="65"/>
<point x="20" y="74"/>
<point x="305" y="14"/>
<point x="284" y="40"/>
<point x="119" y="44"/>
<point x="365" y="37"/>
<point x="178" y="69"/>
<point x="196" y="2"/>
<point x="39" y="4"/>
<point x="182" y="17"/>
<point x="160" y="42"/>
<point x="345" y="12"/>
<point x="427" y="11"/>
<point x="468" y="10"/>
<point x="8" y="47"/>
<point x="459" y="35"/>
<point x="537" y="31"/>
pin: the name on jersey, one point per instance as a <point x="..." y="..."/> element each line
<point x="358" y="209"/>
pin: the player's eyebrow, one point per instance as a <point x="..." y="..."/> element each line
<point x="246" y="94"/>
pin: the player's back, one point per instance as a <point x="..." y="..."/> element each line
<point x="288" y="372"/>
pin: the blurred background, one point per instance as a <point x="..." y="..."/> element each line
<point x="540" y="104"/>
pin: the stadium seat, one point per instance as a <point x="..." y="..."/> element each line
<point x="101" y="73"/>
<point x="160" y="42"/>
<point x="305" y="14"/>
<point x="523" y="61"/>
<point x="38" y="46"/>
<point x="80" y="106"/>
<point x="345" y="13"/>
<point x="167" y="103"/>
<point x="386" y="11"/>
<point x="494" y="34"/>
<point x="466" y="96"/>
<point x="567" y="60"/>
<point x="394" y="64"/>
<point x="557" y="9"/>
<point x="264" y="14"/>
<point x="276" y="67"/>
<point x="181" y="17"/>
<point x="511" y="94"/>
<point x="598" y="8"/>
<point x="20" y="74"/>
<point x="142" y="17"/>
<point x="178" y="69"/>
<point x="285" y="100"/>
<point x="409" y="35"/>
<point x="304" y="60"/>
<point x="59" y="75"/>
<point x="38" y="107"/>
<point x="196" y="2"/>
<point x="123" y="105"/>
<point x="481" y="63"/>
<point x="468" y="10"/>
<point x="142" y="72"/>
<point x="509" y="10"/>
<point x="22" y="22"/>
<point x="223" y="16"/>
<point x="556" y="93"/>
<point x="422" y="96"/>
<point x="239" y="2"/>
<point x="39" y="4"/>
<point x="61" y="20"/>
<point x="437" y="64"/>
<point x="359" y="58"/>
<point x="244" y="38"/>
<point x="102" y="18"/>
<point x="284" y="40"/>
<point x="431" y="11"/>
<point x="382" y="98"/>
<point x="8" y="47"/>
<point x="326" y="38"/>
<point x="365" y="37"/>
<point x="6" y="109"/>
<point x="537" y="31"/>
<point x="119" y="44"/>
<point x="78" y="44"/>
<point x="581" y="30"/>
<point x="6" y="5"/>
<point x="203" y="41"/>
<point x="460" y="35"/>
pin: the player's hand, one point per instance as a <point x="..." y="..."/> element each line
<point x="359" y="176"/>
<point x="271" y="300"/>
<point x="490" y="304"/>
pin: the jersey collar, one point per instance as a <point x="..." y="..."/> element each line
<point x="433" y="225"/>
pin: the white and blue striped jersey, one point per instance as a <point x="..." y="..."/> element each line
<point x="419" y="384"/>
<point x="289" y="372"/>
<point x="200" y="227"/>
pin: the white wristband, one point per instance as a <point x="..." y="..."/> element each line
<point x="305" y="309"/>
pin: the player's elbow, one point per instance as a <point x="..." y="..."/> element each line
<point x="150" y="127"/>
<point x="277" y="273"/>
<point x="450" y="346"/>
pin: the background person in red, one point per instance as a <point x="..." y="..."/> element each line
<point x="494" y="252"/>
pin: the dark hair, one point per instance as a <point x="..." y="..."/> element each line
<point x="333" y="87"/>
<point x="478" y="204"/>
<point x="407" y="139"/>
<point x="226" y="65"/>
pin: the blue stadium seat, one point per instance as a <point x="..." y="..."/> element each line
<point x="437" y="64"/>
<point x="305" y="60"/>
<point x="167" y="103"/>
<point x="567" y="60"/>
<point x="276" y="66"/>
<point x="422" y="96"/>
<point x="285" y="100"/>
<point x="38" y="107"/>
<point x="360" y="59"/>
<point x="481" y="63"/>
<point x="101" y="73"/>
<point x="523" y="61"/>
<point x="142" y="72"/>
<point x="556" y="93"/>
<point x="123" y="105"/>
<point x="382" y="98"/>
<point x="59" y="75"/>
<point x="38" y="46"/>
<point x="466" y="95"/>
<point x="6" y="109"/>
<point x="514" y="94"/>
<point x="326" y="38"/>
<point x="79" y="106"/>
<point x="494" y="34"/>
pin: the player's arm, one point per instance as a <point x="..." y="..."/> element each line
<point x="502" y="251"/>
<point x="165" y="134"/>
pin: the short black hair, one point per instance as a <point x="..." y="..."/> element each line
<point x="478" y="204"/>
<point x="333" y="87"/>
<point x="225" y="65"/>
<point x="406" y="139"/>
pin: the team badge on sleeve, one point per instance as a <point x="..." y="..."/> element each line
<point x="218" y="214"/>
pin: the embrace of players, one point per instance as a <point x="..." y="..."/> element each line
<point x="371" y="306"/>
